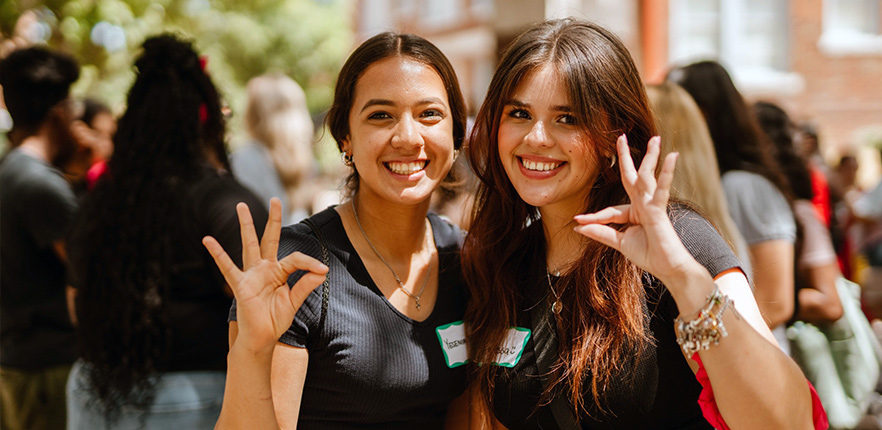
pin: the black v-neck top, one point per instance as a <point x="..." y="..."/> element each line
<point x="659" y="391"/>
<point x="370" y="366"/>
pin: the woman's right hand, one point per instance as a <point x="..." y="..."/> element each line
<point x="265" y="305"/>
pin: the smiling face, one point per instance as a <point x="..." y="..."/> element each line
<point x="400" y="131"/>
<point x="542" y="147"/>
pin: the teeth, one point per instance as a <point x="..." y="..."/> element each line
<point x="539" y="166"/>
<point x="406" y="168"/>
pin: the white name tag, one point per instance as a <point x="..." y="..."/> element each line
<point x="509" y="353"/>
<point x="453" y="343"/>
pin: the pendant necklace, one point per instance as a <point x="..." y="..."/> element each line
<point x="557" y="306"/>
<point x="416" y="297"/>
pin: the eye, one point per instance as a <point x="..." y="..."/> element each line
<point x="567" y="119"/>
<point x="379" y="115"/>
<point x="432" y="115"/>
<point x="518" y="113"/>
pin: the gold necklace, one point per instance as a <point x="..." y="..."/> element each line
<point x="416" y="297"/>
<point x="557" y="306"/>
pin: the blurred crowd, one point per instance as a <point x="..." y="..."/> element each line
<point x="108" y="299"/>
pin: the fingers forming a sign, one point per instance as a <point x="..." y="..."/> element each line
<point x="265" y="305"/>
<point x="650" y="240"/>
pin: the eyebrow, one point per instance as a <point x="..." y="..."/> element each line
<point x="520" y="104"/>
<point x="387" y="102"/>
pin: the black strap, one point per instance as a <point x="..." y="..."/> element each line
<point x="326" y="287"/>
<point x="545" y="345"/>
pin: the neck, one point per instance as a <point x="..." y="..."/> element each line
<point x="37" y="146"/>
<point x="564" y="245"/>
<point x="396" y="231"/>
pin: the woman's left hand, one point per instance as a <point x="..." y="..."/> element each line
<point x="650" y="241"/>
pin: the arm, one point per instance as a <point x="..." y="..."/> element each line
<point x="820" y="302"/>
<point x="265" y="309"/>
<point x="288" y="377"/>
<point x="773" y="279"/>
<point x="756" y="385"/>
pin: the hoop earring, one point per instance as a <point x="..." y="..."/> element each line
<point x="455" y="154"/>
<point x="347" y="159"/>
<point x="612" y="161"/>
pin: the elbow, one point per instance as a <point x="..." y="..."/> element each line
<point x="778" y="313"/>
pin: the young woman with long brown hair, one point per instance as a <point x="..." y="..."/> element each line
<point x="574" y="318"/>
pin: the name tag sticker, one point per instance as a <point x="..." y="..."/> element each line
<point x="453" y="343"/>
<point x="512" y="347"/>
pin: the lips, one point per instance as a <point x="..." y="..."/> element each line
<point x="405" y="168"/>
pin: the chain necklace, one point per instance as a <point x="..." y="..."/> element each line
<point x="557" y="306"/>
<point x="416" y="297"/>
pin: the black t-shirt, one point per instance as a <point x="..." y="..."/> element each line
<point x="36" y="209"/>
<point x="370" y="366"/>
<point x="197" y="304"/>
<point x="659" y="391"/>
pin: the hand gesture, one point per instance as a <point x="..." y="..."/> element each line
<point x="650" y="241"/>
<point x="265" y="305"/>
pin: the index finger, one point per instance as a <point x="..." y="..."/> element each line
<point x="300" y="261"/>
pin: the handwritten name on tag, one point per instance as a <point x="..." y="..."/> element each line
<point x="453" y="343"/>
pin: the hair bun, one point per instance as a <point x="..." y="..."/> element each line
<point x="166" y="53"/>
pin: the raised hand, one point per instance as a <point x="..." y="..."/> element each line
<point x="650" y="241"/>
<point x="265" y="305"/>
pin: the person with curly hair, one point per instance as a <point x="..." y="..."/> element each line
<point x="150" y="306"/>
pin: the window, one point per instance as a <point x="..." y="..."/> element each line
<point x="851" y="27"/>
<point x="750" y="37"/>
<point x="440" y="14"/>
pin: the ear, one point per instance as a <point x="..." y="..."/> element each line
<point x="345" y="146"/>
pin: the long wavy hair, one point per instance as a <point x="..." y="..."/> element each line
<point x="602" y="328"/>
<point x="381" y="46"/>
<point x="173" y="124"/>
<point x="277" y="117"/>
<point x="696" y="179"/>
<point x="739" y="142"/>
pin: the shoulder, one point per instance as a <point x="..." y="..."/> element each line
<point x="702" y="239"/>
<point x="448" y="236"/>
<point x="249" y="155"/>
<point x="301" y="237"/>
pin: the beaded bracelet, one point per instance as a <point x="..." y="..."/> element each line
<point x="707" y="328"/>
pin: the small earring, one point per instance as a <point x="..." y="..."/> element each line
<point x="455" y="154"/>
<point x="612" y="161"/>
<point x="347" y="159"/>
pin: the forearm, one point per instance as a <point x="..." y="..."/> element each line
<point x="248" y="399"/>
<point x="755" y="384"/>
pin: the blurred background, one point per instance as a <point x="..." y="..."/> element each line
<point x="819" y="59"/>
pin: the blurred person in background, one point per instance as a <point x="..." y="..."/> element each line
<point x="149" y="304"/>
<point x="758" y="196"/>
<point x="37" y="206"/>
<point x="683" y="130"/>
<point x="95" y="130"/>
<point x="278" y="159"/>
<point x="817" y="270"/>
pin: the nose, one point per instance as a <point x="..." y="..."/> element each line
<point x="407" y="134"/>
<point x="538" y="136"/>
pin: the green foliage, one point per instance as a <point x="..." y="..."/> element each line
<point x="305" y="39"/>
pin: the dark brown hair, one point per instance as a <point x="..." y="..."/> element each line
<point x="602" y="328"/>
<point x="379" y="47"/>
<point x="738" y="139"/>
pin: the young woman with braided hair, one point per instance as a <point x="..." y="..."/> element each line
<point x="150" y="305"/>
